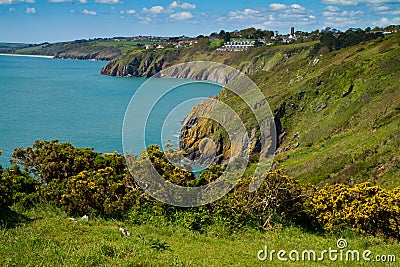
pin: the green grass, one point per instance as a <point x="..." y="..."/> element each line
<point x="29" y="50"/>
<point x="45" y="236"/>
<point x="217" y="43"/>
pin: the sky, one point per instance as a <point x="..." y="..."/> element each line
<point x="37" y="21"/>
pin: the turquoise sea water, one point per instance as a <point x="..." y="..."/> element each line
<point x="68" y="100"/>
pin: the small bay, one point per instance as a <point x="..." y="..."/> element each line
<point x="68" y="100"/>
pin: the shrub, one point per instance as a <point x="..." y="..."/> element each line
<point x="18" y="186"/>
<point x="279" y="196"/>
<point x="365" y="207"/>
<point x="50" y="160"/>
<point x="99" y="192"/>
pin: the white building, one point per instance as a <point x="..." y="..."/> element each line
<point x="238" y="45"/>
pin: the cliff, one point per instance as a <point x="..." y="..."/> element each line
<point x="141" y="64"/>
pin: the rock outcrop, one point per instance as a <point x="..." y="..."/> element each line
<point x="143" y="65"/>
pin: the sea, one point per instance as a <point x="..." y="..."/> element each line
<point x="69" y="101"/>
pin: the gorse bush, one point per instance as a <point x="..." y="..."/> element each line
<point x="50" y="160"/>
<point x="100" y="192"/>
<point x="364" y="207"/>
<point x="80" y="181"/>
<point x="17" y="186"/>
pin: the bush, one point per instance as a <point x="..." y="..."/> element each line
<point x="279" y="195"/>
<point x="18" y="186"/>
<point x="101" y="192"/>
<point x="78" y="180"/>
<point x="365" y="207"/>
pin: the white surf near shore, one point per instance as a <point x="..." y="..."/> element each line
<point x="23" y="55"/>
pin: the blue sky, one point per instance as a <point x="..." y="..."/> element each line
<point x="36" y="21"/>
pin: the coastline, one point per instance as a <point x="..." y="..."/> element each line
<point x="24" y="55"/>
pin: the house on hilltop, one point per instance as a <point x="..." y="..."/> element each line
<point x="237" y="45"/>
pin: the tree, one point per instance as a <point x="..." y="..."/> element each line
<point x="328" y="40"/>
<point x="227" y="37"/>
<point x="202" y="44"/>
<point x="377" y="29"/>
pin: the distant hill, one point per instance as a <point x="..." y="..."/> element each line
<point x="98" y="49"/>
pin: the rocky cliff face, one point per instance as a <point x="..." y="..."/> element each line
<point x="142" y="65"/>
<point x="197" y="133"/>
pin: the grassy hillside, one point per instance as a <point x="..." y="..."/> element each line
<point x="46" y="236"/>
<point x="339" y="113"/>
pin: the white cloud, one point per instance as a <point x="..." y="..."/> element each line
<point x="83" y="1"/>
<point x="72" y="11"/>
<point x="385" y="21"/>
<point x="379" y="8"/>
<point x="107" y="1"/>
<point x="286" y="8"/>
<point x="385" y="9"/>
<point x="181" y="16"/>
<point x="356" y="2"/>
<point x="246" y="14"/>
<point x="277" y="15"/>
<point x="11" y="2"/>
<point x="145" y="20"/>
<point x="297" y="7"/>
<point x="277" y="6"/>
<point x="30" y="10"/>
<point x="154" y="9"/>
<point x="60" y="1"/>
<point x="341" y="2"/>
<point x="89" y="12"/>
<point x="11" y="9"/>
<point x="185" y="5"/>
<point x="131" y="11"/>
<point x="332" y="8"/>
<point x="346" y="18"/>
<point x="391" y="12"/>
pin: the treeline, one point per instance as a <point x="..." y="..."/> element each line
<point x="249" y="33"/>
<point x="335" y="40"/>
<point x="83" y="182"/>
